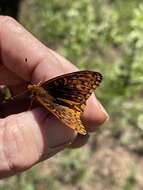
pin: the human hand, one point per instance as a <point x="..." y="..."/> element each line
<point x="27" y="137"/>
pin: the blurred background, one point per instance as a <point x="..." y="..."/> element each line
<point x="101" y="35"/>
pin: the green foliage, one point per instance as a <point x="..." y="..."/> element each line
<point x="74" y="165"/>
<point x="130" y="183"/>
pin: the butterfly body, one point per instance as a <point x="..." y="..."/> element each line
<point x="65" y="96"/>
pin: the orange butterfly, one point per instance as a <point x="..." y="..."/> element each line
<point x="65" y="96"/>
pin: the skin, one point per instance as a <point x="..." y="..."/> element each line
<point x="31" y="136"/>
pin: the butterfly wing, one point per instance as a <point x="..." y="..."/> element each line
<point x="68" y="94"/>
<point x="73" y="89"/>
<point x="68" y="116"/>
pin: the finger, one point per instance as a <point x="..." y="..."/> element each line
<point x="25" y="143"/>
<point x="17" y="104"/>
<point x="18" y="89"/>
<point x="94" y="114"/>
<point x="40" y="65"/>
<point x="8" y="77"/>
<point x="79" y="141"/>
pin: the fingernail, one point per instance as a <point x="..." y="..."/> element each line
<point x="103" y="110"/>
<point x="63" y="144"/>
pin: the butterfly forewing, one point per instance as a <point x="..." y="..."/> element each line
<point x="73" y="89"/>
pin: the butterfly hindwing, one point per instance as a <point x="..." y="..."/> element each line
<point x="68" y="116"/>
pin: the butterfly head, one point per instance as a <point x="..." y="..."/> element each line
<point x="34" y="89"/>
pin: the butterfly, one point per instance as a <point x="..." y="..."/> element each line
<point x="65" y="96"/>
